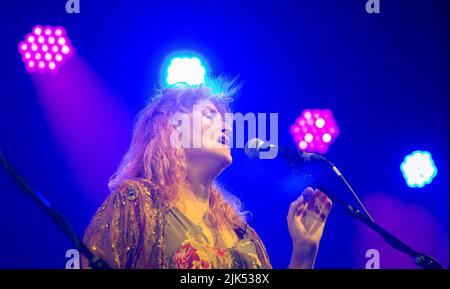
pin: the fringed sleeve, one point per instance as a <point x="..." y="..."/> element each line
<point x="122" y="230"/>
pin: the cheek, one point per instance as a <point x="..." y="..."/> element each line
<point x="207" y="136"/>
<point x="209" y="130"/>
<point x="196" y="131"/>
<point x="206" y="130"/>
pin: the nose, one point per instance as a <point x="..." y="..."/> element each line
<point x="226" y="128"/>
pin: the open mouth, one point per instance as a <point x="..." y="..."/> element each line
<point x="223" y="140"/>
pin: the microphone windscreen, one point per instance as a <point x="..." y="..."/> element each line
<point x="252" y="148"/>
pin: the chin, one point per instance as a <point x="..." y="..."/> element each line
<point x="218" y="158"/>
<point x="223" y="155"/>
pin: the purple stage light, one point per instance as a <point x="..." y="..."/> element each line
<point x="45" y="49"/>
<point x="315" y="130"/>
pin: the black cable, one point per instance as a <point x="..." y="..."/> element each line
<point x="94" y="261"/>
<point x="420" y="259"/>
<point x="339" y="174"/>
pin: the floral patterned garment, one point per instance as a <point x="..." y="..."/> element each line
<point x="133" y="228"/>
<point x="188" y="248"/>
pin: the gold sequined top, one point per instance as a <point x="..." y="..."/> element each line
<point x="129" y="231"/>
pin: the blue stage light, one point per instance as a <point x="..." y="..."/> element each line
<point x="418" y="169"/>
<point x="185" y="70"/>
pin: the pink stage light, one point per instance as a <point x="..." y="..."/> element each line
<point x="314" y="130"/>
<point x="45" y="49"/>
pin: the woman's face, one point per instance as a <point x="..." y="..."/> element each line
<point x="209" y="135"/>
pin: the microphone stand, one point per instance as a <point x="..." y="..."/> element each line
<point x="94" y="261"/>
<point x="420" y="259"/>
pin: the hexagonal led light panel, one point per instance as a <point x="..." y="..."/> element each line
<point x="314" y="130"/>
<point x="45" y="48"/>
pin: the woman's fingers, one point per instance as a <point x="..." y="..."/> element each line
<point x="293" y="207"/>
<point x="291" y="217"/>
<point x="301" y="209"/>
<point x="323" y="205"/>
<point x="327" y="209"/>
<point x="317" y="227"/>
<point x="310" y="199"/>
<point x="308" y="194"/>
<point x="304" y="196"/>
<point x="311" y="210"/>
<point x="307" y="215"/>
<point x="315" y="210"/>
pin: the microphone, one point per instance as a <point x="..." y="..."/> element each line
<point x="256" y="148"/>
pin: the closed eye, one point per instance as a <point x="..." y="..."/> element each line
<point x="209" y="113"/>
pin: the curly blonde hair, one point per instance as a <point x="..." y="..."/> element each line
<point x="151" y="156"/>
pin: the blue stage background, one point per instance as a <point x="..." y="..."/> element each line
<point x="384" y="76"/>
